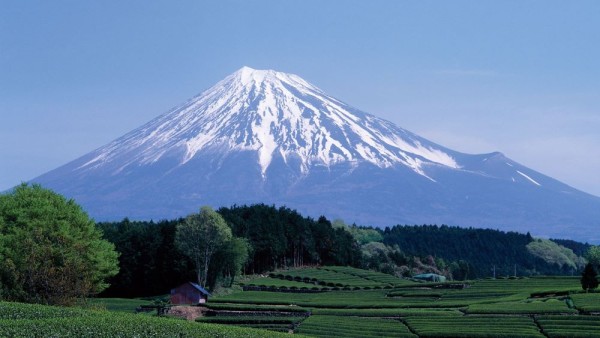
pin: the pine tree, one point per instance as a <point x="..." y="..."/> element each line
<point x="588" y="278"/>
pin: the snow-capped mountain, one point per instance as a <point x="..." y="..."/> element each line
<point x="266" y="136"/>
<point x="271" y="113"/>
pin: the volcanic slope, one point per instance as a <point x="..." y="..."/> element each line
<point x="271" y="137"/>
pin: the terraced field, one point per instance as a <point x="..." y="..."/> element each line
<point x="569" y="326"/>
<point x="368" y="304"/>
<point x="281" y="283"/>
<point x="528" y="307"/>
<point x="374" y="276"/>
<point x="360" y="304"/>
<point x="331" y="278"/>
<point x="272" y="323"/>
<point x="589" y="303"/>
<point x="474" y="326"/>
<point x="340" y="326"/>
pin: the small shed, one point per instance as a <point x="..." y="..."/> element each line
<point x="430" y="277"/>
<point x="189" y="293"/>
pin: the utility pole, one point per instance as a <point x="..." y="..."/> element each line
<point x="494" y="269"/>
<point x="515" y="270"/>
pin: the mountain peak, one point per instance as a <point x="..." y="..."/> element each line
<point x="250" y="76"/>
<point x="247" y="74"/>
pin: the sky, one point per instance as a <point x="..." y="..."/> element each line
<point x="520" y="77"/>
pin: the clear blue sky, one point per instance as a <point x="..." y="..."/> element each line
<point x="521" y="77"/>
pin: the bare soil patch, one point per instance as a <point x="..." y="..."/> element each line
<point x="187" y="312"/>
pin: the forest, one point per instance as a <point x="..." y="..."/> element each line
<point x="485" y="251"/>
<point x="151" y="263"/>
<point x="279" y="237"/>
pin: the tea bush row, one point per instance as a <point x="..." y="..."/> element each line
<point x="370" y="275"/>
<point x="551" y="306"/>
<point x="254" y="307"/>
<point x="371" y="299"/>
<point x="335" y="326"/>
<point x="277" y="282"/>
<point x="10" y="310"/>
<point x="59" y="322"/>
<point x="393" y="312"/>
<point x="587" y="302"/>
<point x="569" y="326"/>
<point x="426" y="294"/>
<point x="281" y="324"/>
<point x="473" y="326"/>
<point x="105" y="326"/>
<point x="327" y="278"/>
<point x="249" y="320"/>
<point x="118" y="304"/>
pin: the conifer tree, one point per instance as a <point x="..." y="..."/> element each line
<point x="588" y="278"/>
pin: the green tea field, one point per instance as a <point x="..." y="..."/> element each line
<point x="349" y="302"/>
<point x="338" y="302"/>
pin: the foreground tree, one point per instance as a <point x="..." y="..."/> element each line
<point x="50" y="250"/>
<point x="588" y="278"/>
<point x="200" y="236"/>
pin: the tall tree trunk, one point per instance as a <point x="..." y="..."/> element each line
<point x="206" y="263"/>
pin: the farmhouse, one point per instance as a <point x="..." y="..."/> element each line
<point x="189" y="293"/>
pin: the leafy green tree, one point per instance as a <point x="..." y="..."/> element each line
<point x="588" y="278"/>
<point x="229" y="261"/>
<point x="50" y="250"/>
<point x="200" y="236"/>
<point x="362" y="235"/>
<point x="593" y="255"/>
<point x="238" y="250"/>
<point x="554" y="253"/>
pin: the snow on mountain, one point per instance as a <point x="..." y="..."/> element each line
<point x="271" y="112"/>
<point x="261" y="136"/>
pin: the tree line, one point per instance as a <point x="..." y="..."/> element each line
<point x="281" y="237"/>
<point x="484" y="252"/>
<point x="52" y="252"/>
<point x="268" y="238"/>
